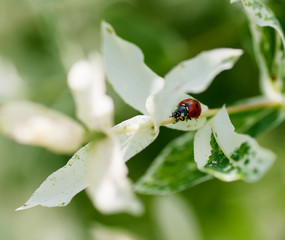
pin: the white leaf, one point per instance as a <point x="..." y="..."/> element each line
<point x="190" y="76"/>
<point x="202" y="147"/>
<point x="206" y="152"/>
<point x="256" y="162"/>
<point x="227" y="155"/>
<point x="35" y="124"/>
<point x="126" y="70"/>
<point x="271" y="70"/>
<point x="86" y="80"/>
<point x="189" y="125"/>
<point x="61" y="186"/>
<point x="175" y="219"/>
<point x="12" y="86"/>
<point x="196" y="74"/>
<point x="262" y="16"/>
<point x="109" y="188"/>
<point x="135" y="134"/>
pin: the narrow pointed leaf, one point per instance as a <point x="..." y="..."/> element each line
<point x="109" y="187"/>
<point x="126" y="70"/>
<point x="227" y="155"/>
<point x="135" y="134"/>
<point x="35" y="124"/>
<point x="261" y="15"/>
<point x="190" y="76"/>
<point x="173" y="170"/>
<point x="86" y="80"/>
<point x="269" y="53"/>
<point x="61" y="186"/>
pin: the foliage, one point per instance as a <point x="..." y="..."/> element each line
<point x="220" y="144"/>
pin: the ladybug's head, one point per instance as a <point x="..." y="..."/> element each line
<point x="178" y="112"/>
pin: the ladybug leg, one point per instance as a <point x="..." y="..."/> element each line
<point x="176" y="119"/>
<point x="187" y="118"/>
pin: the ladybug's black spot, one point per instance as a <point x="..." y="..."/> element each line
<point x="195" y="113"/>
<point x="197" y="105"/>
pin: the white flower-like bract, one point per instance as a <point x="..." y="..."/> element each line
<point x="99" y="166"/>
<point x="152" y="95"/>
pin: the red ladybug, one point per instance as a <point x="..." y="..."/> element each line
<point x="187" y="109"/>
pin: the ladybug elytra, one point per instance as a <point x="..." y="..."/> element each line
<point x="187" y="109"/>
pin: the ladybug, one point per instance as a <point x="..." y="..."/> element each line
<point x="187" y="109"/>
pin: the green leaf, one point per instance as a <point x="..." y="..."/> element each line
<point x="269" y="46"/>
<point x="211" y="159"/>
<point x="257" y="121"/>
<point x="173" y="170"/>
<point x="229" y="156"/>
<point x="219" y="165"/>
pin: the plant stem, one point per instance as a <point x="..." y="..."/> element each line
<point x="209" y="113"/>
<point x="242" y="108"/>
<point x="232" y="109"/>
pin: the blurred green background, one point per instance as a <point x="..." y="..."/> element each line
<point x="43" y="38"/>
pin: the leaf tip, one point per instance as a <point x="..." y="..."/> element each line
<point x="25" y="206"/>
<point x="107" y="27"/>
<point x="234" y="55"/>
